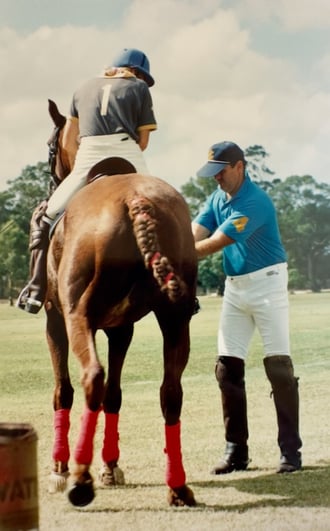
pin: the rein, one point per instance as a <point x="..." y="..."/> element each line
<point x="53" y="149"/>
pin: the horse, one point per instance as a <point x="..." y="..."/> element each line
<point x="123" y="248"/>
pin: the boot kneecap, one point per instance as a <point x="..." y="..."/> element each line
<point x="230" y="369"/>
<point x="279" y="371"/>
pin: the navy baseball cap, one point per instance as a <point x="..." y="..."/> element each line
<point x="220" y="156"/>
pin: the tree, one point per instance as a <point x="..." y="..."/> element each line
<point x="26" y="192"/>
<point x="304" y="217"/>
<point x="211" y="277"/>
<point x="4" y="211"/>
<point x="196" y="191"/>
<point x="14" y="260"/>
<point x="255" y="157"/>
<point x="17" y="204"/>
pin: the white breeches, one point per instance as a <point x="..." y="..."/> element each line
<point x="93" y="149"/>
<point x="256" y="300"/>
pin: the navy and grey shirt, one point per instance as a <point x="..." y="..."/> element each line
<point x="111" y="105"/>
<point x="249" y="218"/>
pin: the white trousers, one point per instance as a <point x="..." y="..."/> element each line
<point x="93" y="149"/>
<point x="256" y="300"/>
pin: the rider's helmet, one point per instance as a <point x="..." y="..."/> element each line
<point x="135" y="59"/>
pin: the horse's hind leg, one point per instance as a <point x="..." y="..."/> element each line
<point x="119" y="339"/>
<point x="62" y="400"/>
<point x="82" y="341"/>
<point x="176" y="353"/>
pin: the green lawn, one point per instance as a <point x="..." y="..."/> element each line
<point x="257" y="499"/>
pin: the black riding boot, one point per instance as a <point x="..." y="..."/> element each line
<point x="279" y="370"/>
<point x="229" y="373"/>
<point x="33" y="295"/>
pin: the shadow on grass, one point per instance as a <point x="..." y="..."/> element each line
<point x="306" y="488"/>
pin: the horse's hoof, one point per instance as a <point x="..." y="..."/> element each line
<point x="180" y="496"/>
<point x="81" y="494"/>
<point x="57" y="482"/>
<point x="111" y="475"/>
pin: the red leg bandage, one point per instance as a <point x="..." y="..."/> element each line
<point x="84" y="450"/>
<point x="110" y="450"/>
<point x="175" y="474"/>
<point x="61" y="450"/>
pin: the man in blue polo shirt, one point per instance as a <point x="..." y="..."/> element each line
<point x="240" y="219"/>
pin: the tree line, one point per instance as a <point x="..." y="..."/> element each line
<point x="302" y="206"/>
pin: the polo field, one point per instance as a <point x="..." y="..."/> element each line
<point x="256" y="499"/>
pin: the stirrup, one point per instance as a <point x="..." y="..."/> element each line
<point x="26" y="303"/>
<point x="197" y="306"/>
<point x="22" y="298"/>
<point x="32" y="305"/>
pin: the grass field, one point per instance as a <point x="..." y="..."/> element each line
<point x="257" y="499"/>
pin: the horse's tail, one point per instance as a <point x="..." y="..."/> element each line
<point x="142" y="214"/>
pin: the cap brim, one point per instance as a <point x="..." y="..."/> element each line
<point x="148" y="78"/>
<point x="210" y="169"/>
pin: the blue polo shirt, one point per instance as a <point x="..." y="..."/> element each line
<point x="249" y="218"/>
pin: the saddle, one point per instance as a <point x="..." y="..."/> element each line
<point x="110" y="166"/>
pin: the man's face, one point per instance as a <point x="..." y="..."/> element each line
<point x="230" y="178"/>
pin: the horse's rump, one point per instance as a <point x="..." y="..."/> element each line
<point x="123" y="233"/>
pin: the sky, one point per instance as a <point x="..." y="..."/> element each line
<point x="252" y="71"/>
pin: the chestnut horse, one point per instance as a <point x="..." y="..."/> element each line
<point x="123" y="248"/>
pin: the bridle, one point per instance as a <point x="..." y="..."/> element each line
<point x="53" y="152"/>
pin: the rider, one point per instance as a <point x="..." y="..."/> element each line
<point x="110" y="115"/>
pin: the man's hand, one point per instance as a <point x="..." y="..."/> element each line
<point x="205" y="244"/>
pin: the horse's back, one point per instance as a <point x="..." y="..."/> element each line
<point x="115" y="192"/>
<point x="103" y="207"/>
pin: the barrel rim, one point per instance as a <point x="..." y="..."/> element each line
<point x="16" y="431"/>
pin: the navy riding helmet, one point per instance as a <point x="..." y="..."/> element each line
<point x="134" y="58"/>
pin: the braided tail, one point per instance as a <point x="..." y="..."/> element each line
<point x="142" y="214"/>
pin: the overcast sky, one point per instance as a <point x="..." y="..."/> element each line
<point x="251" y="71"/>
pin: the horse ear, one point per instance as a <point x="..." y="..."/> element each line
<point x="58" y="118"/>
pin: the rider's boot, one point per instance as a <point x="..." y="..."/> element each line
<point x="279" y="370"/>
<point x="33" y="295"/>
<point x="229" y="373"/>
